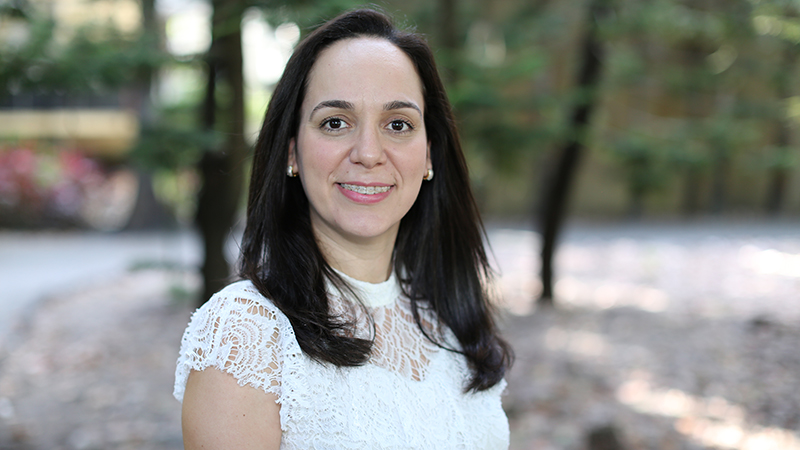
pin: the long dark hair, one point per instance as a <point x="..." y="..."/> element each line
<point x="439" y="255"/>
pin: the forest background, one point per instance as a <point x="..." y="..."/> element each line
<point x="624" y="109"/>
<point x="672" y="125"/>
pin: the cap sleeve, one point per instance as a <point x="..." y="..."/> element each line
<point x="240" y="332"/>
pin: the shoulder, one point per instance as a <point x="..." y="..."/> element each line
<point x="236" y="309"/>
<point x="240" y="332"/>
<point x="242" y="291"/>
<point x="240" y="299"/>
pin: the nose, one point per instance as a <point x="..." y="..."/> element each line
<point x="368" y="148"/>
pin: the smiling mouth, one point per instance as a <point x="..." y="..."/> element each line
<point x="365" y="190"/>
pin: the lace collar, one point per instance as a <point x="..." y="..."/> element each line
<point x="373" y="295"/>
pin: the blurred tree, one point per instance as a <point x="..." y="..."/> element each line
<point x="721" y="137"/>
<point x="687" y="157"/>
<point x="641" y="157"/>
<point x="781" y="20"/>
<point x="696" y="43"/>
<point x="781" y="158"/>
<point x="555" y="194"/>
<point x="727" y="130"/>
<point x="148" y="212"/>
<point x="222" y="168"/>
<point x="490" y="61"/>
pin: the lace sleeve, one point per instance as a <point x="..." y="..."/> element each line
<point x="239" y="332"/>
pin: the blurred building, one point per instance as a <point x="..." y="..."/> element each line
<point x="102" y="123"/>
<point x="61" y="149"/>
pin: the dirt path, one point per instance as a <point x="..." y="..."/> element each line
<point x="96" y="369"/>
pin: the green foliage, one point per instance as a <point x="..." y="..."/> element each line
<point x="168" y="146"/>
<point x="684" y="151"/>
<point x="502" y="118"/>
<point x="307" y="14"/>
<point x="95" y="59"/>
<point x="781" y="158"/>
<point x="642" y="159"/>
<point x="681" y="22"/>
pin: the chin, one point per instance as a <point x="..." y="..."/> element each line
<point x="368" y="229"/>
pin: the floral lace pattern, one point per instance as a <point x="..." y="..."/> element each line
<point x="409" y="394"/>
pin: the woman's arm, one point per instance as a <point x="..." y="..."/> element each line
<point x="220" y="414"/>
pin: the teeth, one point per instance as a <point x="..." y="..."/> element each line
<point x="367" y="190"/>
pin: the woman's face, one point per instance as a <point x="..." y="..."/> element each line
<point x="361" y="149"/>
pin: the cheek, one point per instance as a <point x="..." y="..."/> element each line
<point x="318" y="161"/>
<point x="317" y="157"/>
<point x="415" y="162"/>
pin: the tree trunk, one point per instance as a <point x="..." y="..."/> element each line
<point x="719" y="179"/>
<point x="779" y="175"/>
<point x="555" y="193"/>
<point x="690" y="204"/>
<point x="448" y="35"/>
<point x="148" y="212"/>
<point x="146" y="74"/>
<point x="604" y="438"/>
<point x="696" y="110"/>
<point x="779" y="179"/>
<point x="221" y="169"/>
<point x="636" y="206"/>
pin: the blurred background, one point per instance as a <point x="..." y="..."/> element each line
<point x="637" y="163"/>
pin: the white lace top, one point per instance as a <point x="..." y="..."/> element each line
<point x="410" y="395"/>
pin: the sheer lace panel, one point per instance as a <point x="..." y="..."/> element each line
<point x="399" y="345"/>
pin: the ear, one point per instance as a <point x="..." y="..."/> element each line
<point x="292" y="161"/>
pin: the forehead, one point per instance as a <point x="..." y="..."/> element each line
<point x="363" y="69"/>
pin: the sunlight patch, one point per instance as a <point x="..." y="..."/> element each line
<point x="713" y="421"/>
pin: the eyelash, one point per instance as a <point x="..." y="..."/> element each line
<point x="326" y="122"/>
<point x="325" y="125"/>
<point x="404" y="122"/>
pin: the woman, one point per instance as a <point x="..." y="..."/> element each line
<point x="362" y="320"/>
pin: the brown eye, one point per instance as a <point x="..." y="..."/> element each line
<point x="399" y="125"/>
<point x="334" y="125"/>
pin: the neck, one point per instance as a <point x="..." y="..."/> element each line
<point x="365" y="260"/>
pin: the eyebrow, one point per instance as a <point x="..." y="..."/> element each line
<point x="338" y="104"/>
<point x="397" y="104"/>
<point x="342" y="104"/>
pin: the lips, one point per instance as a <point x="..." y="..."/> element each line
<point x="365" y="190"/>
